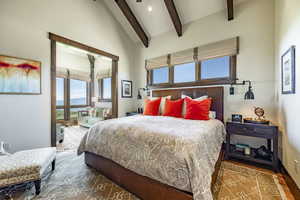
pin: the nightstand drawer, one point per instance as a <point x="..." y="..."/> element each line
<point x="250" y="130"/>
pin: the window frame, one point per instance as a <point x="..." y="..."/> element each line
<point x="169" y="76"/>
<point x="196" y="72"/>
<point x="67" y="105"/>
<point x="198" y="81"/>
<point x="100" y="88"/>
<point x="87" y="94"/>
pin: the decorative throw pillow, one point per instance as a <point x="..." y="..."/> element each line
<point x="152" y="107"/>
<point x="197" y="110"/>
<point x="162" y="103"/>
<point x="184" y="103"/>
<point x="173" y="108"/>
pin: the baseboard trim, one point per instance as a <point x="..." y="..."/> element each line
<point x="290" y="182"/>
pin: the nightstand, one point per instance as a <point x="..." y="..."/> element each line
<point x="131" y="114"/>
<point x="268" y="132"/>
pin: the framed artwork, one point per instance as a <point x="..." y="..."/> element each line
<point x="19" y="76"/>
<point x="288" y="71"/>
<point x="126" y="89"/>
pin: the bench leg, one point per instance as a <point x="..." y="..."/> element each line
<point x="53" y="165"/>
<point x="37" y="185"/>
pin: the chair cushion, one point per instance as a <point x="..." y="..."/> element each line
<point x="25" y="166"/>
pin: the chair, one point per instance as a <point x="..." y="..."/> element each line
<point x="87" y="118"/>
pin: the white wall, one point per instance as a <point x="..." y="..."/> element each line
<point x="287" y="34"/>
<point x="25" y="120"/>
<point x="72" y="61"/>
<point x="254" y="24"/>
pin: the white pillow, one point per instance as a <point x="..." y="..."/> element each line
<point x="184" y="103"/>
<point x="162" y="103"/>
<point x="198" y="99"/>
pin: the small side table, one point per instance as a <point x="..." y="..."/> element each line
<point x="269" y="132"/>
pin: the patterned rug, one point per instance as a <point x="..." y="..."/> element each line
<point x="73" y="180"/>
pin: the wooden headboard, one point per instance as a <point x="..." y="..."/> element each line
<point x="216" y="93"/>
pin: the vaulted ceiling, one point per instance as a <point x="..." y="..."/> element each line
<point x="159" y="16"/>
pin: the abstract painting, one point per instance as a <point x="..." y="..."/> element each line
<point x="19" y="76"/>
<point x="288" y="71"/>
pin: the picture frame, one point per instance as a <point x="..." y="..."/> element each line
<point x="236" y="118"/>
<point x="20" y="76"/>
<point x="288" y="71"/>
<point x="126" y="88"/>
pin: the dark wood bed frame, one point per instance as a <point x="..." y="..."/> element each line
<point x="147" y="188"/>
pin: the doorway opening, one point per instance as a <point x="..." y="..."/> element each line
<point x="84" y="90"/>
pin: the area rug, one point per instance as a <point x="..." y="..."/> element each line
<point x="73" y="180"/>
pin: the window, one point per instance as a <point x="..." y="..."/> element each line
<point x="221" y="70"/>
<point x="160" y="75"/>
<point x="215" y="68"/>
<point x="74" y="113"/>
<point x="105" y="89"/>
<point x="184" y="73"/>
<point x="60" y="91"/>
<point x="60" y="114"/>
<point x="78" y="92"/>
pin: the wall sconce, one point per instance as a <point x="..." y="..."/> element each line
<point x="249" y="95"/>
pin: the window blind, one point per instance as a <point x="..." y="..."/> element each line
<point x="228" y="47"/>
<point x="62" y="72"/>
<point x="103" y="73"/>
<point x="158" y="62"/>
<point x="80" y="75"/>
<point x="72" y="74"/>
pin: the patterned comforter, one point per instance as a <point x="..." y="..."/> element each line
<point x="177" y="152"/>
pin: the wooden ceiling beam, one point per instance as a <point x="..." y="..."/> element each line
<point x="174" y="16"/>
<point x="230" y="10"/>
<point x="133" y="21"/>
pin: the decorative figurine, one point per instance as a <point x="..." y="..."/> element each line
<point x="259" y="112"/>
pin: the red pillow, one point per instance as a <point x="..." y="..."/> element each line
<point x="197" y="110"/>
<point x="173" y="108"/>
<point x="152" y="107"/>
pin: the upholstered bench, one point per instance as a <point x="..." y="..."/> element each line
<point x="25" y="167"/>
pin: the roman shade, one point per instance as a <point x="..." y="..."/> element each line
<point x="228" y="47"/>
<point x="186" y="56"/>
<point x="103" y="73"/>
<point x="62" y="72"/>
<point x="158" y="62"/>
<point x="73" y="74"/>
<point x="103" y="68"/>
<point x="80" y="75"/>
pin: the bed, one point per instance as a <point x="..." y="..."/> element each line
<point x="158" y="157"/>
